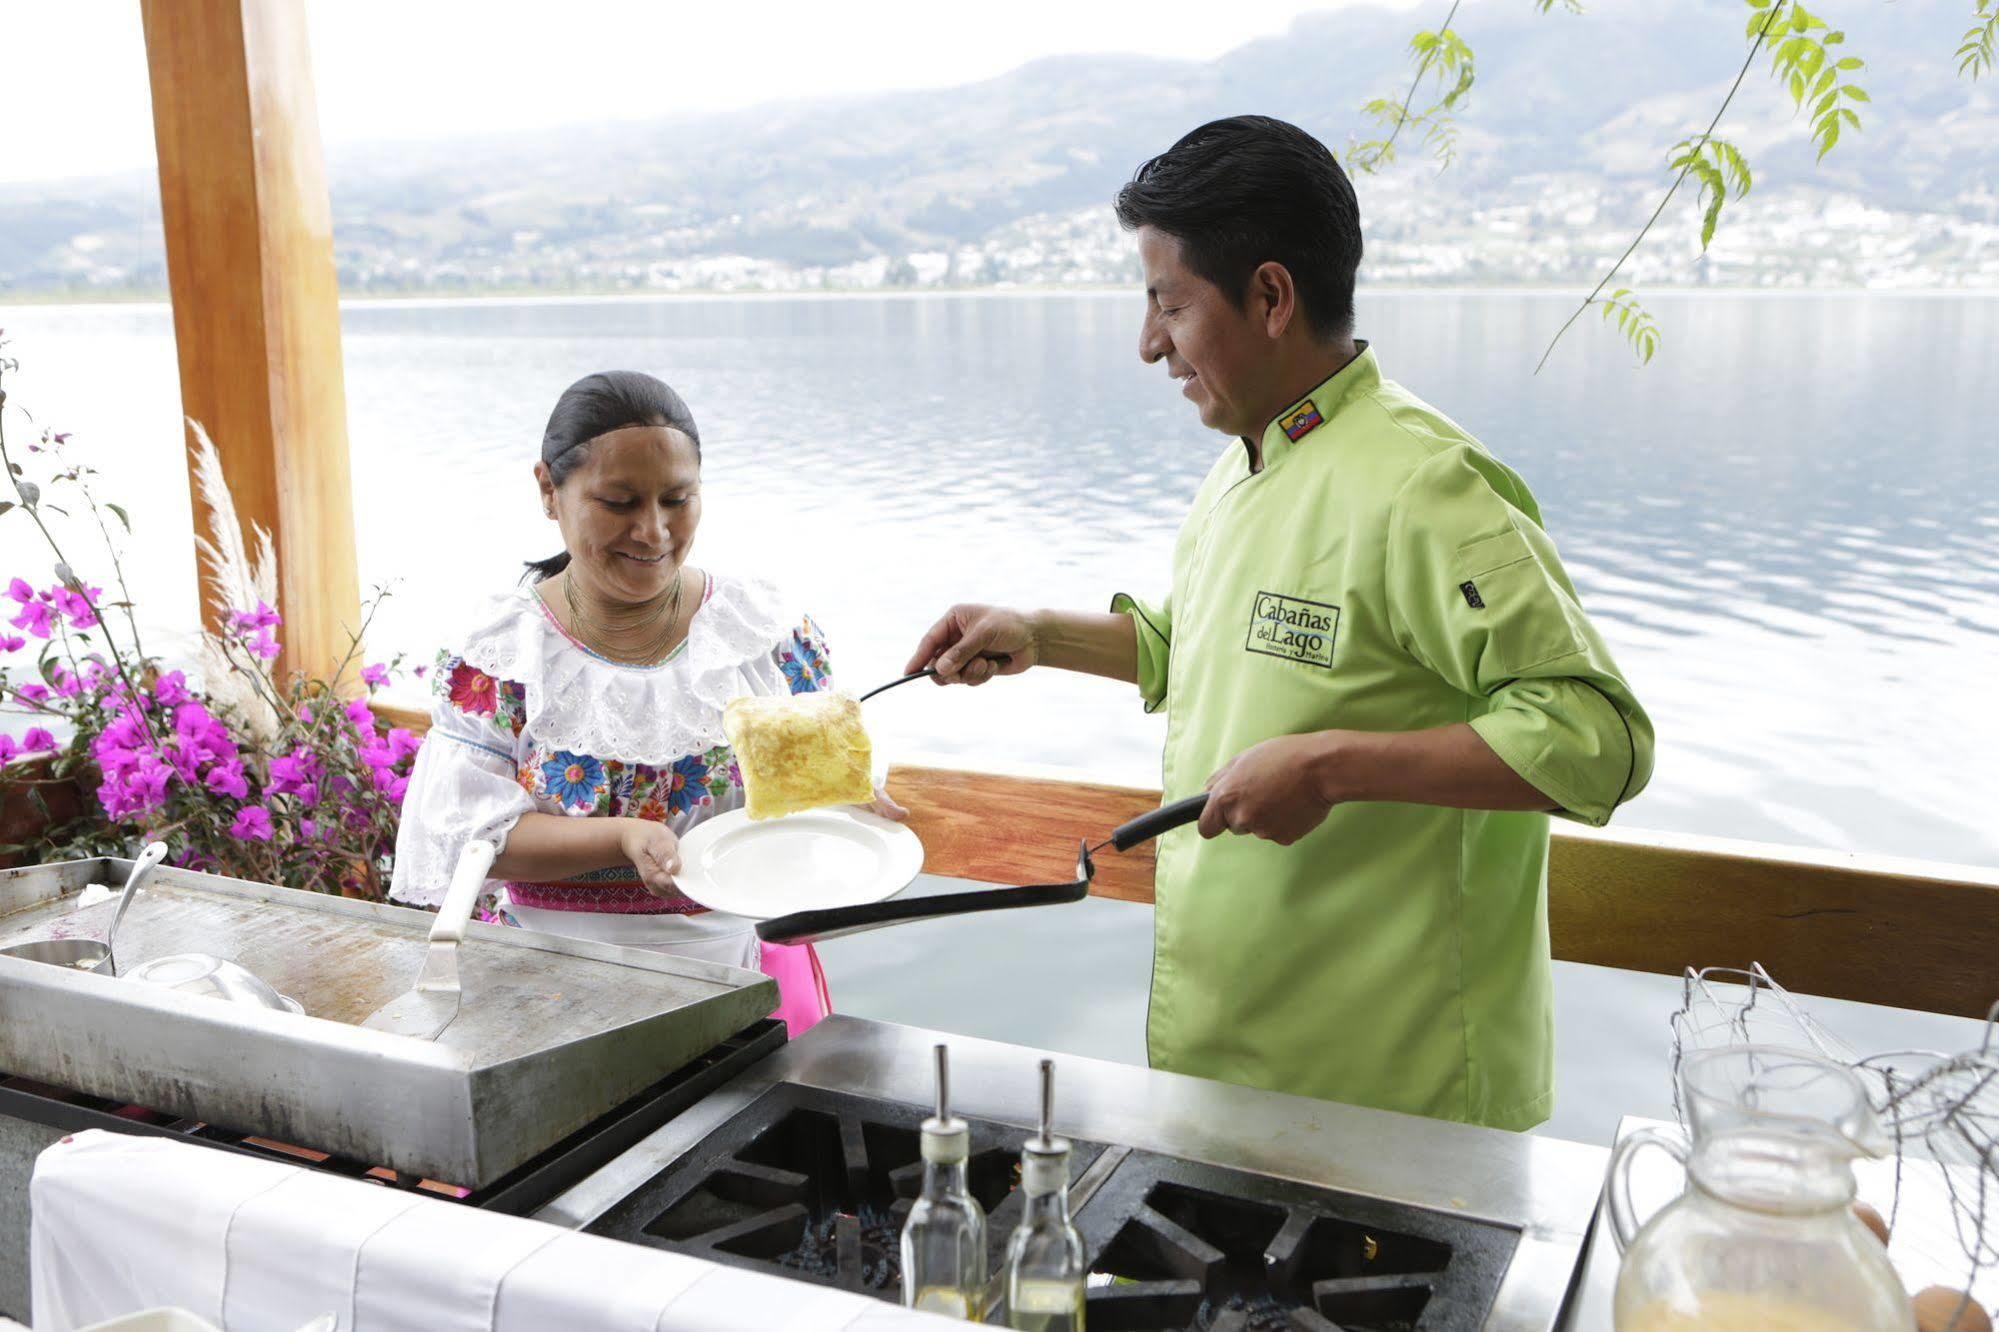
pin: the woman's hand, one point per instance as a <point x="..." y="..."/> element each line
<point x="967" y="645"/>
<point x="653" y="851"/>
<point x="885" y="805"/>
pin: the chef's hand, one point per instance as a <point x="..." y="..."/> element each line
<point x="885" y="805"/>
<point x="966" y="644"/>
<point x="1265" y="791"/>
<point x="653" y="851"/>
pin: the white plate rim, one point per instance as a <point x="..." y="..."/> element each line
<point x="901" y="842"/>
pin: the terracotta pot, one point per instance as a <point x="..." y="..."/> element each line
<point x="22" y="818"/>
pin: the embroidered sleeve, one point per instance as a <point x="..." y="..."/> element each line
<point x="462" y="787"/>
<point x="498" y="706"/>
<point x="803" y="659"/>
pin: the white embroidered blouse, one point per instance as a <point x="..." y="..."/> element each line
<point x="526" y="719"/>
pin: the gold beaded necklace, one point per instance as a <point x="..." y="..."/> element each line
<point x="596" y="633"/>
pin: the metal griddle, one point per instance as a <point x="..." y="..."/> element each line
<point x="553" y="1032"/>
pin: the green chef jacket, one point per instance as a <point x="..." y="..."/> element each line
<point x="1382" y="572"/>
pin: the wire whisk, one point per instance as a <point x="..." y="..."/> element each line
<point x="1932" y="1105"/>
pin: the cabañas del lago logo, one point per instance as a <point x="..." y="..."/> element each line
<point x="1293" y="628"/>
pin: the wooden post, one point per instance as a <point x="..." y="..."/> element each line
<point x="249" y="242"/>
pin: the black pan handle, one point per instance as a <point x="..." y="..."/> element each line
<point x="836" y="922"/>
<point x="1167" y="817"/>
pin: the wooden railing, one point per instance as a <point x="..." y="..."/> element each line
<point x="1910" y="934"/>
<point x="1904" y="933"/>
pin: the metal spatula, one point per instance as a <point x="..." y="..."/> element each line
<point x="432" y="1003"/>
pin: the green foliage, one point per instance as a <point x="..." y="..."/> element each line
<point x="1722" y="171"/>
<point x="1447" y="57"/>
<point x="1803" y="59"/>
<point x="1632" y="320"/>
<point x="1981" y="41"/>
<point x="1444" y="56"/>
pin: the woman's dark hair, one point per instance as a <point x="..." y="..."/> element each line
<point x="1251" y="190"/>
<point x="596" y="405"/>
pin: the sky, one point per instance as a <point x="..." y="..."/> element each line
<point x="74" y="102"/>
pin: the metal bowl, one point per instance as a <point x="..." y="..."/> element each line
<point x="214" y="977"/>
<point x="80" y="954"/>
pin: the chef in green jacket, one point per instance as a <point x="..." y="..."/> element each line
<point x="1370" y="657"/>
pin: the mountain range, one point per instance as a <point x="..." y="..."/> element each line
<point x="1561" y="157"/>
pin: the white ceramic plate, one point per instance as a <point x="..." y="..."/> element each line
<point x="801" y="862"/>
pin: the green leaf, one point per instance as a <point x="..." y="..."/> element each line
<point x="123" y="517"/>
<point x="1856" y="92"/>
<point x="1849" y="62"/>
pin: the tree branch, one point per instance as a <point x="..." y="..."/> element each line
<point x="1776" y="11"/>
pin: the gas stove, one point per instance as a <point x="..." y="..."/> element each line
<point x="1203" y="1205"/>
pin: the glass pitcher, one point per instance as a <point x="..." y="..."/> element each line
<point x="1764" y="1237"/>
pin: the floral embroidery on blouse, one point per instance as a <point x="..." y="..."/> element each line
<point x="803" y="660"/>
<point x="575" y="780"/>
<point x="583" y="785"/>
<point x="501" y="703"/>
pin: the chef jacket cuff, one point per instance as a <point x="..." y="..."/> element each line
<point x="1584" y="770"/>
<point x="1154" y="647"/>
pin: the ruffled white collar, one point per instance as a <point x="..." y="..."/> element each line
<point x="587" y="704"/>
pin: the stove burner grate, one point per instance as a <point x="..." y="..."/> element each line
<point x="816" y="1183"/>
<point x="1179" y="1245"/>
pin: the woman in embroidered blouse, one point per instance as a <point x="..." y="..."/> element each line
<point x="579" y="725"/>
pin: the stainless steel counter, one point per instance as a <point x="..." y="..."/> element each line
<point x="552" y="1032"/>
<point x="1544" y="1187"/>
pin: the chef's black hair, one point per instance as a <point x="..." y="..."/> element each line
<point x="1251" y="190"/>
<point x="596" y="405"/>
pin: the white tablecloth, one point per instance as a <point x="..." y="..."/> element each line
<point x="125" y="1223"/>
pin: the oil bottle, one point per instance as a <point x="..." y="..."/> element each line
<point x="1045" y="1259"/>
<point x="944" y="1240"/>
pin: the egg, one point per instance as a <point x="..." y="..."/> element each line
<point x="1873" y="1220"/>
<point x="1937" y="1311"/>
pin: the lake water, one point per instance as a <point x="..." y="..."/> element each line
<point x="1787" y="526"/>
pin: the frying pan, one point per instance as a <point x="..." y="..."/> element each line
<point x="838" y="922"/>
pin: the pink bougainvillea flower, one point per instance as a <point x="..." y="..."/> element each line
<point x="403" y="743"/>
<point x="252" y="824"/>
<point x="34" y="618"/>
<point x="244" y="622"/>
<point x="79" y="604"/>
<point x="9" y="748"/>
<point x="263" y="644"/>
<point x="171" y="689"/>
<point x="375" y="676"/>
<point x="19" y="590"/>
<point x="292" y="773"/>
<point x="361" y="715"/>
<point x="37" y="741"/>
<point x="12" y="643"/>
<point x="34" y="693"/>
<point x="227" y="779"/>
